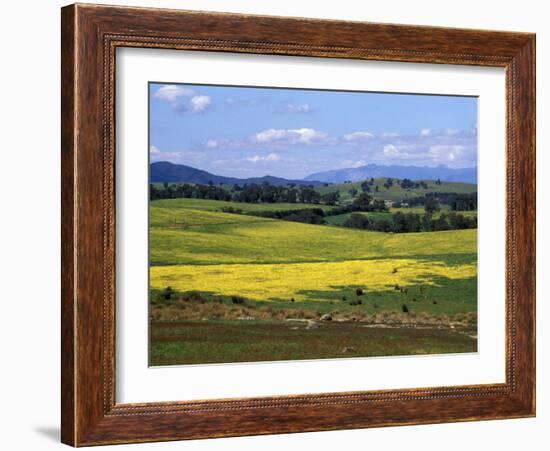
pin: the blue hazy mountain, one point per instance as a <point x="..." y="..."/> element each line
<point x="442" y="172"/>
<point x="164" y="171"/>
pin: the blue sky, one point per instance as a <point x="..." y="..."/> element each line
<point x="247" y="132"/>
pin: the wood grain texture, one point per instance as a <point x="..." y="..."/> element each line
<point x="90" y="36"/>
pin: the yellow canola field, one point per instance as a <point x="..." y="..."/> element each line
<point x="283" y="281"/>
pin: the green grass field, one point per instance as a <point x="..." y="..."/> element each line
<point x="317" y="269"/>
<point x="181" y="234"/>
<point x="395" y="192"/>
<point x="218" y="205"/>
<point x="195" y="342"/>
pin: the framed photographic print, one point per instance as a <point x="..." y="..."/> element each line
<point x="279" y="225"/>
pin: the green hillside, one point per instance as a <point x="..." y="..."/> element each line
<point x="182" y="234"/>
<point x="396" y="192"/>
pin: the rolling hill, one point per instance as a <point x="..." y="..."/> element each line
<point x="396" y="192"/>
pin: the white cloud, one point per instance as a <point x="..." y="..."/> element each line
<point x="453" y="153"/>
<point x="198" y="104"/>
<point x="389" y="135"/>
<point x="154" y="150"/>
<point x="272" y="157"/>
<point x="258" y="158"/>
<point x="358" y="136"/>
<point x="390" y="150"/>
<point x="212" y="143"/>
<point x="171" y="93"/>
<point x="308" y="135"/>
<point x="293" y="136"/>
<point x="297" y="108"/>
<point x="353" y="164"/>
<point x="425" y="132"/>
<point x="183" y="99"/>
<point x="271" y="135"/>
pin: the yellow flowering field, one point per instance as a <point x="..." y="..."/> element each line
<point x="294" y="280"/>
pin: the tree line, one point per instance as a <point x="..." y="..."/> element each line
<point x="253" y="193"/>
<point x="411" y="222"/>
<point x="186" y="190"/>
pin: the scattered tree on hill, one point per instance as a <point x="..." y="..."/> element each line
<point x="331" y="198"/>
<point x="363" y="200"/>
<point x="407" y="183"/>
<point x="431" y="206"/>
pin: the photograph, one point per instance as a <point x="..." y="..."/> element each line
<point x="300" y="224"/>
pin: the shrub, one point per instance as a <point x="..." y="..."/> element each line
<point x="168" y="293"/>
<point x="359" y="292"/>
<point x="237" y="299"/>
<point x="404" y="308"/>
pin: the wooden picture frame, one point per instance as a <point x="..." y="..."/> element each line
<point x="90" y="36"/>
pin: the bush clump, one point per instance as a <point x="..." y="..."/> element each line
<point x="167" y="293"/>
<point x="237" y="299"/>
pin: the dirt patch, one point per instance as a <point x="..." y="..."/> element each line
<point x="191" y="310"/>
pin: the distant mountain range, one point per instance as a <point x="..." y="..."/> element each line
<point x="164" y="171"/>
<point x="444" y="173"/>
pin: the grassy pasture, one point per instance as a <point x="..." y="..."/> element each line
<point x="395" y="192"/>
<point x="182" y="235"/>
<point x="228" y="341"/>
<point x="217" y="205"/>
